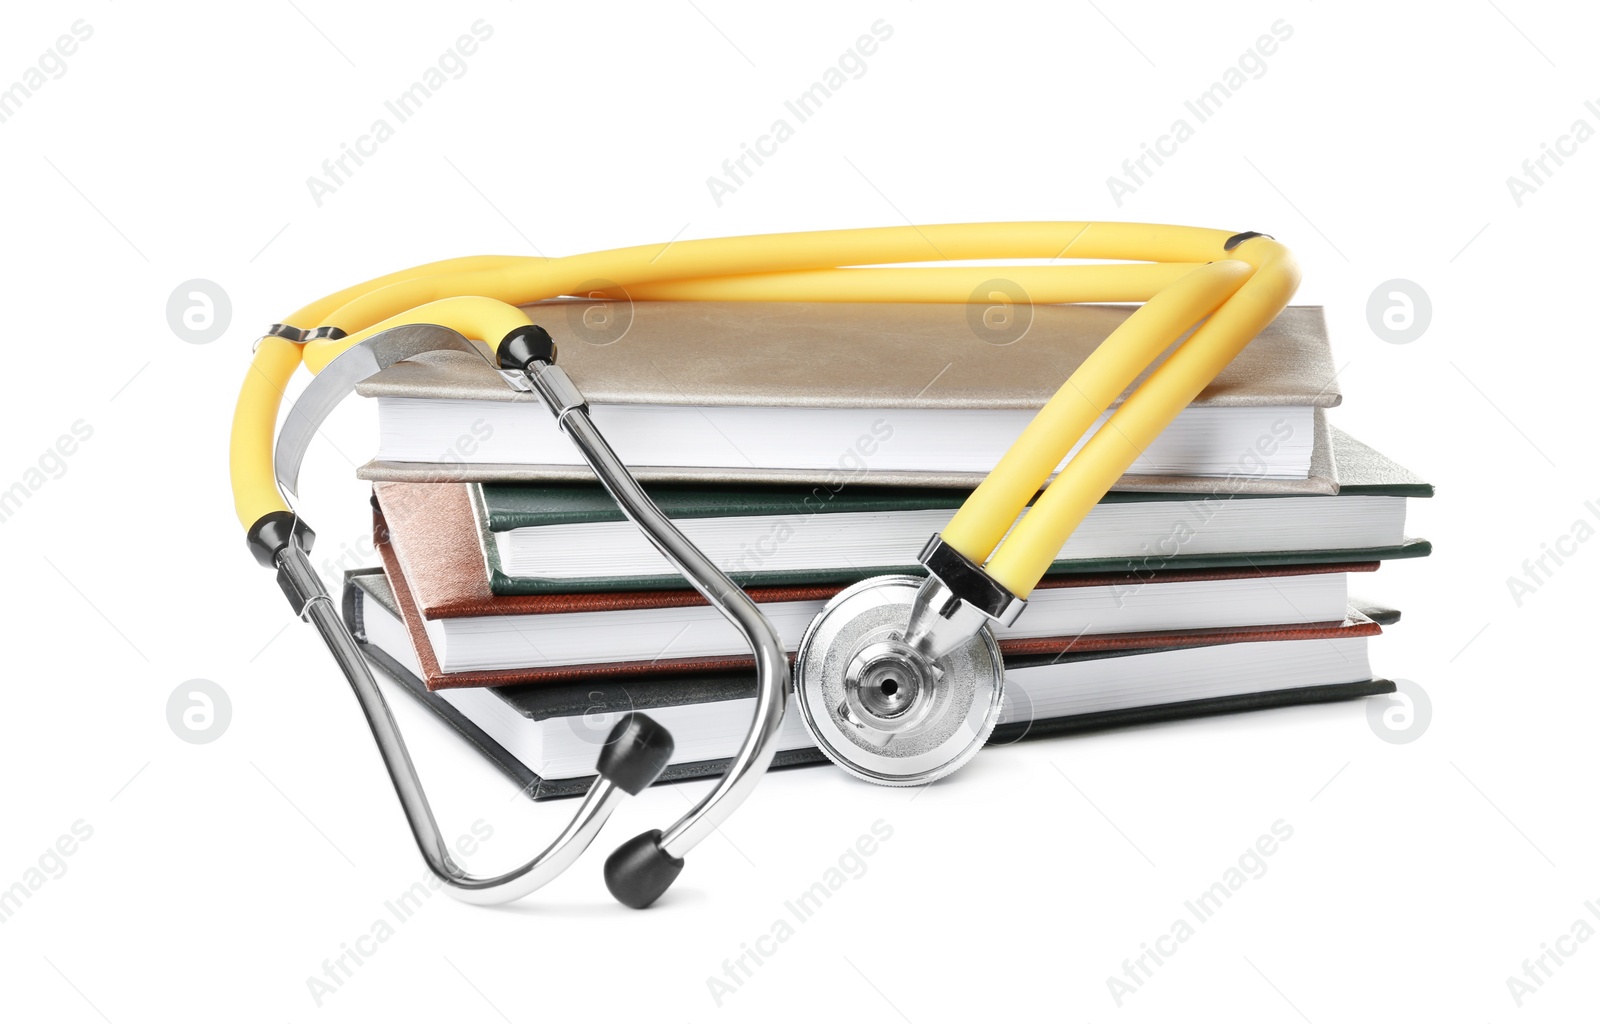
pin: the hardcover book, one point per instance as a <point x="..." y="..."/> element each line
<point x="866" y="393"/>
<point x="566" y="538"/>
<point x="468" y="636"/>
<point x="546" y="736"/>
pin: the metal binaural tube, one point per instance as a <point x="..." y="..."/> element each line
<point x="772" y="662"/>
<point x="308" y="597"/>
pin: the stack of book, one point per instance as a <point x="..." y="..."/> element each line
<point x="806" y="446"/>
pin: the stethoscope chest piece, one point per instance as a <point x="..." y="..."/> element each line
<point x="879" y="709"/>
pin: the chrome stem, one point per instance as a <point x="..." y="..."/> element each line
<point x="772" y="661"/>
<point x="310" y="599"/>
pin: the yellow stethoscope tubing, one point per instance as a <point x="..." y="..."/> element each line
<point x="1101" y="282"/>
<point x="1035" y="542"/>
<point x="522" y="280"/>
<point x="1240" y="290"/>
<point x="317" y="313"/>
<point x="1079" y="402"/>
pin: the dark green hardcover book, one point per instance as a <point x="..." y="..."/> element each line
<point x="569" y="538"/>
<point x="584" y="706"/>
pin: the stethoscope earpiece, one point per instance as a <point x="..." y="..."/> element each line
<point x="635" y="754"/>
<point x="639" y="871"/>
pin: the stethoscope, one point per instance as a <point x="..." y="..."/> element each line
<point x="899" y="678"/>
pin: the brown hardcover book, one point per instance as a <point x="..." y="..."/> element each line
<point x="430" y="551"/>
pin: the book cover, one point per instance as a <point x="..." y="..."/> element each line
<point x="555" y="700"/>
<point x="852" y="355"/>
<point x="501" y="507"/>
<point x="434" y="576"/>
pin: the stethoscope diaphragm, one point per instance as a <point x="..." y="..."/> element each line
<point x="879" y="709"/>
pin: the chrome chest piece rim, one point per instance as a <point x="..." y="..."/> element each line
<point x="878" y="709"/>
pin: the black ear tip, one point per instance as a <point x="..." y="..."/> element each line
<point x="636" y="753"/>
<point x="525" y="345"/>
<point x="639" y="871"/>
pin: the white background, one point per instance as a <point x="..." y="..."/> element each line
<point x="219" y="877"/>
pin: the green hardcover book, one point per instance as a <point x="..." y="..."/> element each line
<point x="567" y="538"/>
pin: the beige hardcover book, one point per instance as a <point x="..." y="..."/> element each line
<point x="834" y="393"/>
